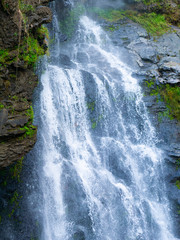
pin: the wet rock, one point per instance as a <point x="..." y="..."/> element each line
<point x="17" y="78"/>
<point x="40" y="16"/>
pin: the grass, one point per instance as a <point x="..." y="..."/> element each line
<point x="155" y="24"/>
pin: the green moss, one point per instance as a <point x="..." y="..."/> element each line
<point x="111" y="28"/>
<point x="43" y="31"/>
<point x="178" y="184"/>
<point x="25" y="8"/>
<point x="155" y="24"/>
<point x="171" y="96"/>
<point x="31" y="50"/>
<point x="30" y="130"/>
<point x="91" y="106"/>
<point x="1" y="106"/>
<point x="14" y="202"/>
<point x="4" y="56"/>
<point x="168" y="94"/>
<point x="109" y="15"/>
<point x="16" y="170"/>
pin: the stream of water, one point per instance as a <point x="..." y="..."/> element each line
<point x="102" y="174"/>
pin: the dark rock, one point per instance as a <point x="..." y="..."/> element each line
<point x="17" y="78"/>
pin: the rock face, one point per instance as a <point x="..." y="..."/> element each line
<point x="22" y="40"/>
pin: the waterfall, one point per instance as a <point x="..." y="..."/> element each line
<point x="101" y="173"/>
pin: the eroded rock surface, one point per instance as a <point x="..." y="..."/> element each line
<point x="21" y="41"/>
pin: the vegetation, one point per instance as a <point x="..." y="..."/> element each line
<point x="29" y="129"/>
<point x="31" y="50"/>
<point x="25" y="8"/>
<point x="16" y="170"/>
<point x="155" y="24"/>
<point x="178" y="184"/>
<point x="1" y="106"/>
<point x="170" y="95"/>
<point x="14" y="202"/>
<point x="43" y="31"/>
<point x="109" y="15"/>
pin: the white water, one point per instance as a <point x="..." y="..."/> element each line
<point x="103" y="174"/>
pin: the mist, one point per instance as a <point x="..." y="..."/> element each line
<point x="107" y="3"/>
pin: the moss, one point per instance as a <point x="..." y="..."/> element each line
<point x="91" y="106"/>
<point x="4" y="56"/>
<point x="109" y="15"/>
<point x="30" y="130"/>
<point x="43" y="31"/>
<point x="25" y="8"/>
<point x="16" y="170"/>
<point x="1" y="106"/>
<point x="155" y="24"/>
<point x="170" y="95"/>
<point x="30" y="50"/>
<point x="14" y="202"/>
<point x="178" y="184"/>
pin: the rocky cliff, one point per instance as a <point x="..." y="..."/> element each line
<point x="22" y="41"/>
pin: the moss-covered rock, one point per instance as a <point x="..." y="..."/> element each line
<point x="22" y="41"/>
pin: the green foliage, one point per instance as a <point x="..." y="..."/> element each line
<point x="168" y="94"/>
<point x="111" y="28"/>
<point x="14" y="201"/>
<point x="25" y="8"/>
<point x="155" y="24"/>
<point x="109" y="15"/>
<point x="94" y="122"/>
<point x="30" y="113"/>
<point x="1" y="106"/>
<point x="91" y="106"/>
<point x="30" y="130"/>
<point x="171" y="96"/>
<point x="149" y="83"/>
<point x="178" y="184"/>
<point x="4" y="56"/>
<point x="148" y="2"/>
<point x="17" y="169"/>
<point x="43" y="31"/>
<point x="31" y="50"/>
<point x="69" y="23"/>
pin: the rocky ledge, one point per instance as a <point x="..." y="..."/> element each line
<point x="22" y="40"/>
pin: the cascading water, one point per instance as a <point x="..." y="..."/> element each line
<point x="102" y="175"/>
